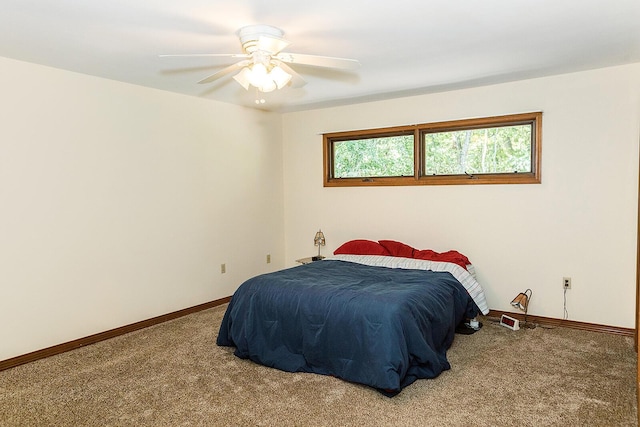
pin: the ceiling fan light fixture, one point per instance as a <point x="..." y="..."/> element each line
<point x="243" y="77"/>
<point x="280" y="76"/>
<point x="268" y="86"/>
<point x="258" y="74"/>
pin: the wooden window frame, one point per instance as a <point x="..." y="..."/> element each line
<point x="419" y="178"/>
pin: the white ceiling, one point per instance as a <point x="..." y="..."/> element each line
<point x="405" y="46"/>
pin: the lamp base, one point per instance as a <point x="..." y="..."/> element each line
<point x="528" y="325"/>
<point x="317" y="258"/>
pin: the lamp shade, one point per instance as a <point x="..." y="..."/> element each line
<point x="279" y="76"/>
<point x="258" y="75"/>
<point x="243" y="78"/>
<point x="319" y="240"/>
<point x="521" y="301"/>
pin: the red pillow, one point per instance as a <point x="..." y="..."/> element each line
<point x="397" y="248"/>
<point x="450" y="256"/>
<point x="361" y="247"/>
<point x="455" y="255"/>
<point x="426" y="254"/>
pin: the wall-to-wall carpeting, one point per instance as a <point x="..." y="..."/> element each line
<point x="174" y="374"/>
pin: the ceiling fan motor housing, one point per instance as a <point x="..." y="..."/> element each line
<point x="250" y="35"/>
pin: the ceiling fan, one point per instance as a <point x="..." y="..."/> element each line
<point x="264" y="65"/>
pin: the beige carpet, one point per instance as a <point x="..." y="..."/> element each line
<point x="173" y="375"/>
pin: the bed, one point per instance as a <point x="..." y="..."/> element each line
<point x="379" y="319"/>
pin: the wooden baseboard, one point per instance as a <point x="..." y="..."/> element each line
<point x="101" y="336"/>
<point x="112" y="333"/>
<point x="549" y="321"/>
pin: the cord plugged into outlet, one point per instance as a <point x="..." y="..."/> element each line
<point x="566" y="285"/>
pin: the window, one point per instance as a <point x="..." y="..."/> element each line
<point x="376" y="156"/>
<point x="493" y="150"/>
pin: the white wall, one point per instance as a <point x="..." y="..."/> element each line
<point x="119" y="203"/>
<point x="580" y="222"/>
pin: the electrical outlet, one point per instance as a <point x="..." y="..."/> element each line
<point x="566" y="283"/>
<point x="268" y="258"/>
<point x="223" y="268"/>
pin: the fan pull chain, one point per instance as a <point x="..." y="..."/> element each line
<point x="259" y="100"/>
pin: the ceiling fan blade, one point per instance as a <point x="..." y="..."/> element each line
<point x="272" y="44"/>
<point x="296" y="79"/>
<point x="318" y="61"/>
<point x="228" y="55"/>
<point x="224" y="71"/>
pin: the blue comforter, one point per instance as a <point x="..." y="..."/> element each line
<point x="377" y="326"/>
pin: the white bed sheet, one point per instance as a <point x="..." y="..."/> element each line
<point x="463" y="276"/>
